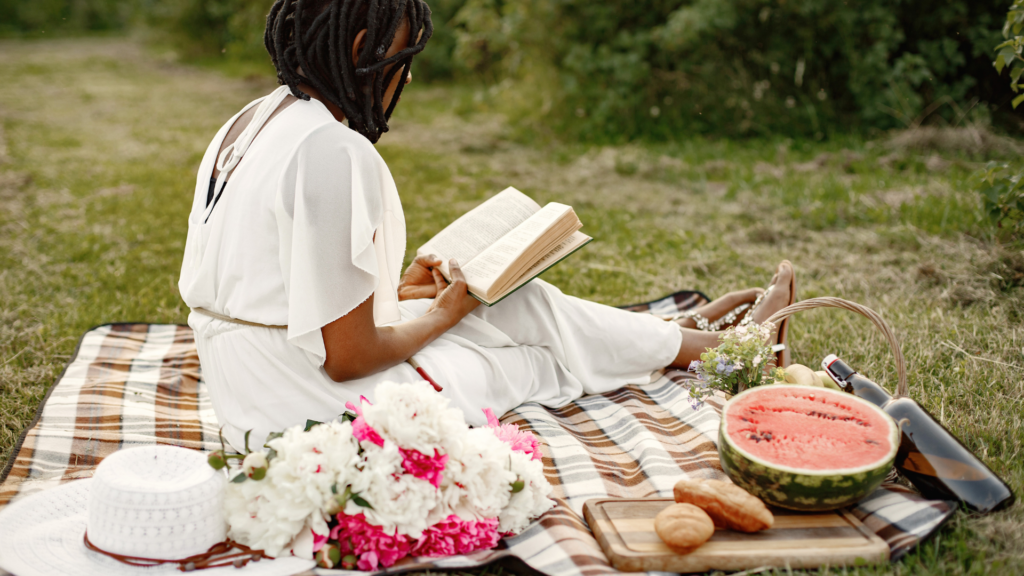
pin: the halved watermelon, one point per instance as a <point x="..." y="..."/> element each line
<point x="806" y="448"/>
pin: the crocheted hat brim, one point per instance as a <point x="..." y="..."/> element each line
<point x="41" y="535"/>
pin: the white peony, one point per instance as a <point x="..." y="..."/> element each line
<point x="267" y="514"/>
<point x="414" y="416"/>
<point x="531" y="501"/>
<point x="311" y="469"/>
<point x="400" y="501"/>
<point x="478" y="476"/>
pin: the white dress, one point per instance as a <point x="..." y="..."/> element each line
<point x="307" y="228"/>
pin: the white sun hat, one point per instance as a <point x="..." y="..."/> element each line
<point x="152" y="502"/>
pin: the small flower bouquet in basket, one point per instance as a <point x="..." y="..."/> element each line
<point x="403" y="477"/>
<point x="743" y="360"/>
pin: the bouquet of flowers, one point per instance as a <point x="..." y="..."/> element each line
<point x="743" y="360"/>
<point x="403" y="477"/>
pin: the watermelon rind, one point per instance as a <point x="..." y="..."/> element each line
<point x="797" y="488"/>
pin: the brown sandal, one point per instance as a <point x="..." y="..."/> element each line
<point x="705" y="325"/>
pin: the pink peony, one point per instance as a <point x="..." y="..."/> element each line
<point x="429" y="468"/>
<point x="358" y="409"/>
<point x="454" y="535"/>
<point x="519" y="440"/>
<point x="364" y="433"/>
<point x="318" y="541"/>
<point x="360" y="429"/>
<point x="369" y="543"/>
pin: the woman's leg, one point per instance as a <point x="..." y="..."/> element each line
<point x="592" y="339"/>
<point x="721" y="306"/>
<point x="601" y="346"/>
<point x="695" y="342"/>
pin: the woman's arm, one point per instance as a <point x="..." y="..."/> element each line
<point x="356" y="347"/>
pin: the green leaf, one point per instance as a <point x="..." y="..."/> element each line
<point x="1016" y="101"/>
<point x="220" y="434"/>
<point x="360" y="502"/>
<point x="310" y="424"/>
<point x="348" y="417"/>
<point x="247" y="432"/>
<point x="271" y="453"/>
<point x="240" y="478"/>
<point x="1005" y="56"/>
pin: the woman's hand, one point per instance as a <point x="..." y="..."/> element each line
<point x="418" y="280"/>
<point x="452" y="300"/>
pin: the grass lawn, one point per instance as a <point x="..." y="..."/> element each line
<point x="100" y="140"/>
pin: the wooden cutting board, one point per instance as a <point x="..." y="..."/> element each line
<point x="625" y="530"/>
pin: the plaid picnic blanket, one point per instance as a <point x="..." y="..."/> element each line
<point x="141" y="384"/>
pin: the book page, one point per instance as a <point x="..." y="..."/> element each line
<point x="480" y="228"/>
<point x="555" y="236"/>
<point x="567" y="247"/>
<point x="495" y="261"/>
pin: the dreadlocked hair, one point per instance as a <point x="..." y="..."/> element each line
<point x="316" y="37"/>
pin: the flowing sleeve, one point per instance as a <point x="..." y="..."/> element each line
<point x="329" y="206"/>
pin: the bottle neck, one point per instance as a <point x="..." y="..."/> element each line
<point x="861" y="386"/>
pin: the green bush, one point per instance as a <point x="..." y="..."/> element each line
<point x="655" y="69"/>
<point x="200" y="29"/>
<point x="1002" y="192"/>
<point x="233" y="29"/>
<point x="1002" y="184"/>
<point x="659" y="68"/>
<point x="230" y="29"/>
<point x="49" y="17"/>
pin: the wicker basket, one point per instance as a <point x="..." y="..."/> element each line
<point x="830" y="302"/>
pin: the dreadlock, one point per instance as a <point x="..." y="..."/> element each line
<point x="316" y="36"/>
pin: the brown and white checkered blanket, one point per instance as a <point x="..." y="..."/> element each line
<point x="140" y="384"/>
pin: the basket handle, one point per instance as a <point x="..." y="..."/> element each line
<point x="830" y="302"/>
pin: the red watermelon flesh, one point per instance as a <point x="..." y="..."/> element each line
<point x="810" y="429"/>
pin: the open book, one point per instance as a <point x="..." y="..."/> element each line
<point x="506" y="242"/>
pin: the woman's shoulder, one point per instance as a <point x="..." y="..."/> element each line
<point x="329" y="134"/>
<point x="325" y="150"/>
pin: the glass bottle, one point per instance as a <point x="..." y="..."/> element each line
<point x="934" y="460"/>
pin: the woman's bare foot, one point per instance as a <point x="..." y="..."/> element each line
<point x="721" y="306"/>
<point x="779" y="293"/>
<point x="778" y="297"/>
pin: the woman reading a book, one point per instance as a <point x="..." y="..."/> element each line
<point x="292" y="265"/>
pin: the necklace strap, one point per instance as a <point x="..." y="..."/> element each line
<point x="218" y="556"/>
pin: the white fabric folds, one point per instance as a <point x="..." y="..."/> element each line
<point x="332" y="216"/>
